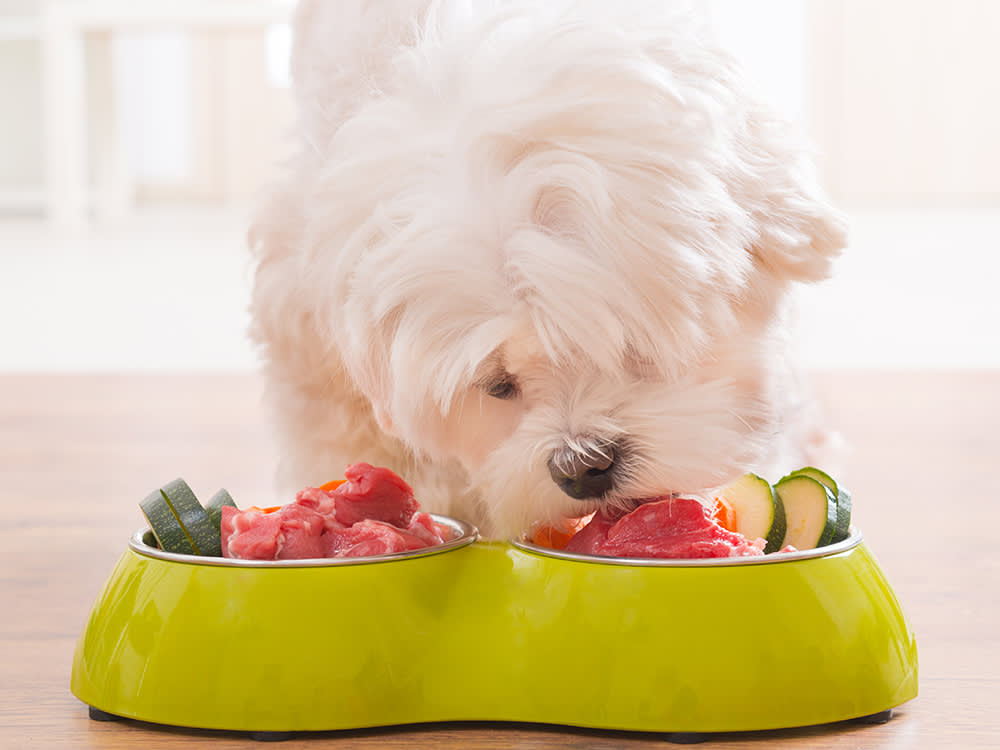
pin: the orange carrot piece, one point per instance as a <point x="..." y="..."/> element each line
<point x="723" y="514"/>
<point x="556" y="537"/>
<point x="551" y="537"/>
<point x="332" y="485"/>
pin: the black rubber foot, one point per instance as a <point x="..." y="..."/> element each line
<point x="271" y="736"/>
<point x="686" y="738"/>
<point x="98" y="715"/>
<point x="880" y="718"/>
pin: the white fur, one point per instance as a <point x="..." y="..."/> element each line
<point x="581" y="193"/>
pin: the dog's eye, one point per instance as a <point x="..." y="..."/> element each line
<point x="505" y="389"/>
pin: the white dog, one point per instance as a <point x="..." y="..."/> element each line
<point x="533" y="256"/>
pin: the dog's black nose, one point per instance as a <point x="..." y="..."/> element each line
<point x="583" y="474"/>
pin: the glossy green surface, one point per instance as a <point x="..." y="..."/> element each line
<point x="493" y="632"/>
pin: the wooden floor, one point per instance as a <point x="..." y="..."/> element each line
<point x="76" y="454"/>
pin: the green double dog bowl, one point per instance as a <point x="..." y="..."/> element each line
<point x="496" y="631"/>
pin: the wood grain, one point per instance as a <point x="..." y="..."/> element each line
<point x="77" y="451"/>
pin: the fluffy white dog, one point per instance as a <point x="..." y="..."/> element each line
<point x="533" y="256"/>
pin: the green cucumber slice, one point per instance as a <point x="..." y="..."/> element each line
<point x="820" y="476"/>
<point x="810" y="512"/>
<point x="214" y="506"/>
<point x="844" y="504"/>
<point x="164" y="524"/>
<point x="759" y="510"/>
<point x="149" y="538"/>
<point x="843" y="528"/>
<point x="204" y="537"/>
<point x="178" y="521"/>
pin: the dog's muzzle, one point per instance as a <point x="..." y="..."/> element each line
<point x="584" y="472"/>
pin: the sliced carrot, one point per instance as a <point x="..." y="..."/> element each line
<point x="551" y="537"/>
<point x="332" y="485"/>
<point x="269" y="509"/>
<point x="723" y="514"/>
<point x="557" y="536"/>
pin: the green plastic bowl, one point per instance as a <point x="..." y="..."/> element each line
<point x="497" y="631"/>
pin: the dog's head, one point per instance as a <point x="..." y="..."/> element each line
<point x="557" y="253"/>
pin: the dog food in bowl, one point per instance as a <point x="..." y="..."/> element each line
<point x="673" y="527"/>
<point x="804" y="510"/>
<point x="372" y="512"/>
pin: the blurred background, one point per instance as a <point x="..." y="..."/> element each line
<point x="134" y="135"/>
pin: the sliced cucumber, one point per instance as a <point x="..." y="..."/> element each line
<point x="843" y="529"/>
<point x="214" y="506"/>
<point x="820" y="476"/>
<point x="178" y="521"/>
<point x="169" y="533"/>
<point x="204" y="537"/>
<point x="810" y="512"/>
<point x="759" y="511"/>
<point x="149" y="538"/>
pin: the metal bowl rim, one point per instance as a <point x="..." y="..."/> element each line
<point x="854" y="538"/>
<point x="467" y="534"/>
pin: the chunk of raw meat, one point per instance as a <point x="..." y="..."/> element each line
<point x="374" y="493"/>
<point x="373" y="513"/>
<point x="369" y="537"/>
<point x="668" y="528"/>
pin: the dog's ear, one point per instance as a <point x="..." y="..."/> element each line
<point x="798" y="233"/>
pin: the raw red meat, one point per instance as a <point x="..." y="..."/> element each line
<point x="374" y="493"/>
<point x="668" y="528"/>
<point x="369" y="537"/>
<point x="255" y="534"/>
<point x="590" y="537"/>
<point x="373" y="513"/>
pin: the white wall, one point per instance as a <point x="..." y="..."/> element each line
<point x="153" y="77"/>
<point x="20" y="107"/>
<point x="154" y="81"/>
<point x="769" y="37"/>
<point x="180" y="136"/>
<point x="906" y="97"/>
